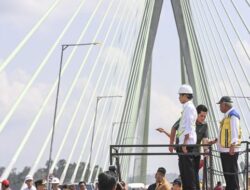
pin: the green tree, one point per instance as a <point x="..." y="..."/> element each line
<point x="69" y="173"/>
<point x="80" y="171"/>
<point x="2" y="170"/>
<point x="60" y="167"/>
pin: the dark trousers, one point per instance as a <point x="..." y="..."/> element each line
<point x="186" y="167"/>
<point x="196" y="170"/>
<point x="229" y="164"/>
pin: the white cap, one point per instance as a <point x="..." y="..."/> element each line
<point x="28" y="177"/>
<point x="185" y="89"/>
<point x="55" y="180"/>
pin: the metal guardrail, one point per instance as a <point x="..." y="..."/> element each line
<point x="117" y="151"/>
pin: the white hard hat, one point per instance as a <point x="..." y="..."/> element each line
<point x="55" y="180"/>
<point x="185" y="89"/>
<point x="28" y="177"/>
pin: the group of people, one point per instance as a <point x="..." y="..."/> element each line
<point x="191" y="129"/>
<point x="41" y="184"/>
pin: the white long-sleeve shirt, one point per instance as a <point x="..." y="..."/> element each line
<point x="234" y="123"/>
<point x="187" y="123"/>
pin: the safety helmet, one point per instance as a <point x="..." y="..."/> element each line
<point x="185" y="89"/>
<point x="28" y="177"/>
<point x="55" y="180"/>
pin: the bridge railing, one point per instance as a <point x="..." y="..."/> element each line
<point x="117" y="151"/>
<point x="209" y="172"/>
<point x="243" y="172"/>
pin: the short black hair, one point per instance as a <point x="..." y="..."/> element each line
<point x="201" y="108"/>
<point x="82" y="182"/>
<point x="40" y="182"/>
<point x="189" y="96"/>
<point x="162" y="170"/>
<point x="219" y="183"/>
<point x="106" y="181"/>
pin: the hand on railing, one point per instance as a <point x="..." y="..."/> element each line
<point x="211" y="142"/>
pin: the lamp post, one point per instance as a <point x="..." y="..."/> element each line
<point x="98" y="98"/>
<point x="64" y="47"/>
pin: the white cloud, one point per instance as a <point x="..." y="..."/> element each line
<point x="164" y="110"/>
<point x="12" y="85"/>
<point x="25" y="13"/>
<point x="21" y="12"/>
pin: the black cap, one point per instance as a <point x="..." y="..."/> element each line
<point x="177" y="182"/>
<point x="225" y="99"/>
<point x="40" y="182"/>
<point x="162" y="170"/>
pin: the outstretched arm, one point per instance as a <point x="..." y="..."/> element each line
<point x="161" y="130"/>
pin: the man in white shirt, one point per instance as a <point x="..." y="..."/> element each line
<point x="229" y="142"/>
<point x="187" y="135"/>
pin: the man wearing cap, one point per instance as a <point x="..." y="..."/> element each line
<point x="40" y="184"/>
<point x="187" y="135"/>
<point x="229" y="142"/>
<point x="5" y="185"/>
<point x="161" y="182"/>
<point x="29" y="182"/>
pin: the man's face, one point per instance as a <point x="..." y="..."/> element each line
<point x="41" y="187"/>
<point x="159" y="177"/>
<point x="201" y="117"/>
<point x="223" y="107"/>
<point x="82" y="186"/>
<point x="29" y="183"/>
<point x="176" y="187"/>
<point x="183" y="98"/>
<point x="72" y="187"/>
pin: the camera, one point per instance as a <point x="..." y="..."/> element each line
<point x="112" y="170"/>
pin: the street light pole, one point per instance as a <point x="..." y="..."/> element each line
<point x="98" y="98"/>
<point x="64" y="47"/>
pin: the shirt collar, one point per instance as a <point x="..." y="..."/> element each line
<point x="226" y="114"/>
<point x="186" y="104"/>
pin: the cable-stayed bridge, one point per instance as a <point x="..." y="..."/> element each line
<point x="90" y="115"/>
